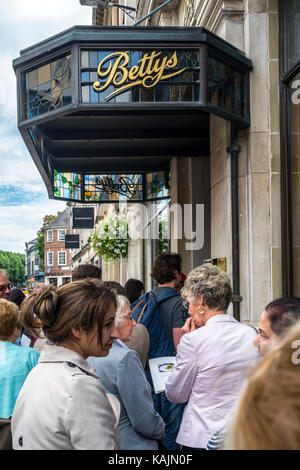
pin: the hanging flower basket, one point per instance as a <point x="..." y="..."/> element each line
<point x="110" y="238"/>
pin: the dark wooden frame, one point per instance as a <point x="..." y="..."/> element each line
<point x="285" y="155"/>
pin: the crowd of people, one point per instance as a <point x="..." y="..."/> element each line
<point x="74" y="365"/>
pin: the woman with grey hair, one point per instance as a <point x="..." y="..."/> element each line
<point x="121" y="373"/>
<point x="213" y="356"/>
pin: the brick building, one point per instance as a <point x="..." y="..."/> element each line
<point x="57" y="257"/>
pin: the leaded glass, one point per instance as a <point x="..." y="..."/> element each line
<point x="156" y="185"/>
<point x="225" y="87"/>
<point x="99" y="188"/>
<point x="130" y="76"/>
<point x="68" y="185"/>
<point x="48" y="88"/>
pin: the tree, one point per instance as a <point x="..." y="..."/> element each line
<point x="14" y="265"/>
<point x="41" y="239"/>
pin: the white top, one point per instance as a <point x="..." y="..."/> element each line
<point x="212" y="362"/>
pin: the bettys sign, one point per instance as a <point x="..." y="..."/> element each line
<point x="151" y="69"/>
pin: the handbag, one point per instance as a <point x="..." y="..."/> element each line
<point x="5" y="434"/>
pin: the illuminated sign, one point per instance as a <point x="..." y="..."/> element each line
<point x="151" y="69"/>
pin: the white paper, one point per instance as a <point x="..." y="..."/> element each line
<point x="25" y="341"/>
<point x="161" y="368"/>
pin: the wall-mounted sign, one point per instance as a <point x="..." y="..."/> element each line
<point x="111" y="188"/>
<point x="150" y="69"/>
<point x="169" y="75"/>
<point x="83" y="217"/>
<point x="124" y="185"/>
<point x="72" y="241"/>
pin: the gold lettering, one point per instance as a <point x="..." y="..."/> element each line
<point x="150" y="70"/>
<point x="133" y="73"/>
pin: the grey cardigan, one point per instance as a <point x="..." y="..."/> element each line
<point x="122" y="374"/>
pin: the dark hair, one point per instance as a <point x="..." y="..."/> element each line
<point x="133" y="288"/>
<point x="80" y="304"/>
<point x="116" y="286"/>
<point x="283" y="313"/>
<point x="17" y="296"/>
<point x="164" y="267"/>
<point x="84" y="271"/>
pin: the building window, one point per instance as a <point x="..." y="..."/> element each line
<point x="49" y="235"/>
<point x="289" y="15"/>
<point x="47" y="88"/>
<point x="61" y="235"/>
<point x="62" y="258"/>
<point x="49" y="258"/>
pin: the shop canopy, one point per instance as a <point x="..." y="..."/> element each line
<point x="103" y="110"/>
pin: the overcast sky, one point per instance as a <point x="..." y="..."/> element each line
<point x="23" y="196"/>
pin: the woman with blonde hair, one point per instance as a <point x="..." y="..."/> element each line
<point x="15" y="362"/>
<point x="212" y="357"/>
<point x="267" y="416"/>
<point x="62" y="405"/>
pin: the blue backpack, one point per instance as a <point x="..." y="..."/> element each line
<point x="145" y="310"/>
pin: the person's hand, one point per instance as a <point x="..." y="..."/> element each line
<point x="189" y="326"/>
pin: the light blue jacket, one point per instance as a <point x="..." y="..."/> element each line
<point x="121" y="373"/>
<point x="15" y="364"/>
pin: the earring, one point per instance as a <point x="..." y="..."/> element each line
<point x="201" y="312"/>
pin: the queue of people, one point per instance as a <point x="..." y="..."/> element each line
<point x="89" y="386"/>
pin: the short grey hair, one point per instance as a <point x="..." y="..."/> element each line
<point x="212" y="284"/>
<point x="3" y="272"/>
<point x="122" y="303"/>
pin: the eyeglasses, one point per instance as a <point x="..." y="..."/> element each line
<point x="2" y="288"/>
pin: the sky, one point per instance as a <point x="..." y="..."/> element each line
<point x="23" y="197"/>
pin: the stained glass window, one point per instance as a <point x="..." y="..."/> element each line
<point x="68" y="185"/>
<point x="156" y="185"/>
<point x="177" y="83"/>
<point x="48" y="87"/>
<point x="226" y="87"/>
<point x="113" y="188"/>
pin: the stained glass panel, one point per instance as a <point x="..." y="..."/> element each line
<point x="113" y="188"/>
<point x="137" y="76"/>
<point x="156" y="185"/>
<point x="48" y="88"/>
<point x="68" y="185"/>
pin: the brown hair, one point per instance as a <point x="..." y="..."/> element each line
<point x="268" y="412"/>
<point x="164" y="267"/>
<point x="80" y="304"/>
<point x="86" y="270"/>
<point x="9" y="317"/>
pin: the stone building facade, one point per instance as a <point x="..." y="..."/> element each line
<point x="253" y="27"/>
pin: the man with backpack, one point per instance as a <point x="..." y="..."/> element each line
<point x="163" y="314"/>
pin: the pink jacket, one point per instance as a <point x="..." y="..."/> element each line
<point x="211" y="365"/>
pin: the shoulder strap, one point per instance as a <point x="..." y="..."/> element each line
<point x="165" y="296"/>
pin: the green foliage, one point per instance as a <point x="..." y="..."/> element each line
<point x="163" y="243"/>
<point x="14" y="265"/>
<point x="41" y="239"/>
<point x="110" y="238"/>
